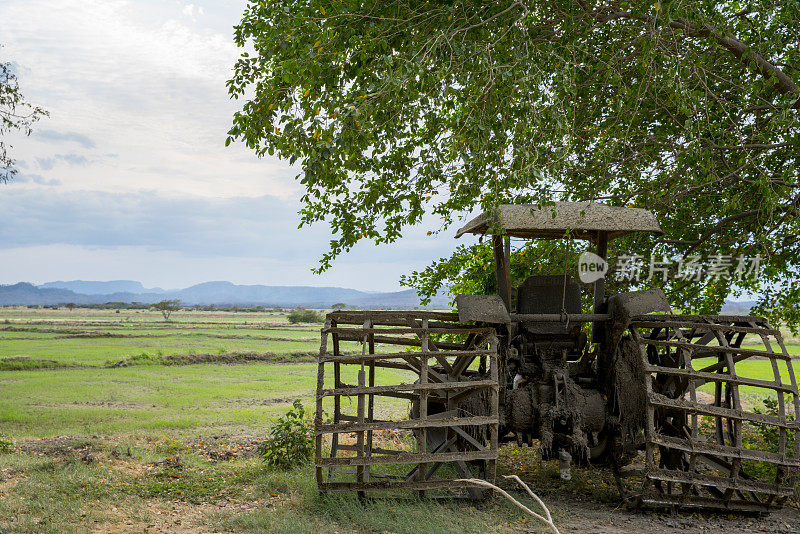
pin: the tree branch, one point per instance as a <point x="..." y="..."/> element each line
<point x="786" y="85"/>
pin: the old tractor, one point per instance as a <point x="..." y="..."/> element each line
<point x="420" y="400"/>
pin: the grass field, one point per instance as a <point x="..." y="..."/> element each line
<point x="109" y="435"/>
<point x="125" y="422"/>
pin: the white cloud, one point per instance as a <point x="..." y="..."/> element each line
<point x="191" y="11"/>
<point x="130" y="178"/>
<point x="142" y="83"/>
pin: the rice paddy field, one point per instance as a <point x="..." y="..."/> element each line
<point x="121" y="421"/>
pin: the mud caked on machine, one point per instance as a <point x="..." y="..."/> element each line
<point x="418" y="400"/>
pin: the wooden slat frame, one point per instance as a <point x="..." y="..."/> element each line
<point x="450" y="358"/>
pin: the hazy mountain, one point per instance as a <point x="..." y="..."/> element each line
<point x="25" y="293"/>
<point x="737" y="308"/>
<point x="217" y="293"/>
<point x="228" y="294"/>
<point x="102" y="288"/>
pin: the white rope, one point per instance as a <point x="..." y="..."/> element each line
<point x="547" y="519"/>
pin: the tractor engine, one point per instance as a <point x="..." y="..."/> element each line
<point x="551" y="393"/>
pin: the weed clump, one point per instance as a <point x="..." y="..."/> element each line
<point x="290" y="441"/>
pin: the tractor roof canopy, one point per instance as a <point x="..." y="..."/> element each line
<point x="582" y="220"/>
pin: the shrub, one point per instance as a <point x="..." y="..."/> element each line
<point x="291" y="440"/>
<point x="768" y="437"/>
<point x="305" y="316"/>
<point x="764" y="437"/>
<point x="6" y="445"/>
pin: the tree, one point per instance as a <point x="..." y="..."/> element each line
<point x="15" y="114"/>
<point x="339" y="306"/>
<point x="300" y="315"/>
<point x="70" y="306"/>
<point x="166" y="307"/>
<point x="398" y="108"/>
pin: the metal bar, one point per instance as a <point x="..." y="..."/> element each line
<point x="379" y="390"/>
<point x="370" y="398"/>
<point x="719" y="377"/>
<point x="494" y="409"/>
<point x="318" y="416"/>
<point x="375" y="450"/>
<point x="388" y="486"/>
<point x="413" y="458"/>
<point x="358" y="358"/>
<point x="722" y="450"/>
<point x="704" y="503"/>
<point x="337" y="383"/>
<point x="711" y="348"/>
<point x="379" y="316"/>
<point x="423" y="403"/>
<point x="700" y="318"/>
<point x="701" y="326"/>
<point x="781" y="403"/>
<point x="403" y="341"/>
<point x="476" y="420"/>
<point x="718" y="411"/>
<point x="408" y="330"/>
<point x="557" y="317"/>
<point x="739" y="484"/>
<point x="360" y="470"/>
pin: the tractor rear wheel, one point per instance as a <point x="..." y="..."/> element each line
<point x="696" y="426"/>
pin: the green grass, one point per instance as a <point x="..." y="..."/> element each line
<point x="31" y="339"/>
<point x="92" y="484"/>
<point x="97" y="351"/>
<point x="147" y="419"/>
<point x="752" y="368"/>
<point x="186" y="400"/>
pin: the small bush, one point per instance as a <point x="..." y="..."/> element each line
<point x="305" y="316"/>
<point x="6" y="445"/>
<point x="290" y="441"/>
<point x="768" y="437"/>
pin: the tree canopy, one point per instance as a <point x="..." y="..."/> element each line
<point x="15" y="114"/>
<point x="398" y="108"/>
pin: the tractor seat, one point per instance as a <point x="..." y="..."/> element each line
<point x="546" y="294"/>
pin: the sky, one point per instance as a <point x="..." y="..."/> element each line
<point x="129" y="177"/>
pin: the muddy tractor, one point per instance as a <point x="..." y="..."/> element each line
<point x="421" y="400"/>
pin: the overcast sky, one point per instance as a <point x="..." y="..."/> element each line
<point x="129" y="177"/>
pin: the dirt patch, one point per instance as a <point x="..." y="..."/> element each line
<point x="221" y="448"/>
<point x="588" y="516"/>
<point x="83" y="449"/>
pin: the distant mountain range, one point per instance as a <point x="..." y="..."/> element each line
<point x="737" y="308"/>
<point x="102" y="288"/>
<point x="217" y="293"/>
<point x="228" y="294"/>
